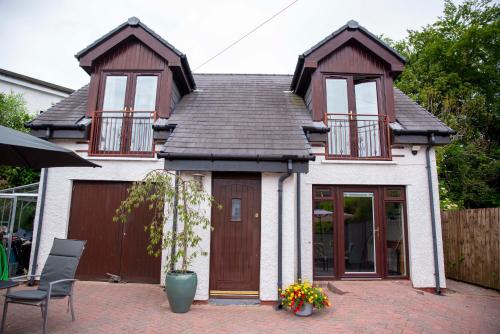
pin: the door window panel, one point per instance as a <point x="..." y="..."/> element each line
<point x="236" y="209"/>
<point x="114" y="93"/>
<point x="323" y="238"/>
<point x="359" y="233"/>
<point x="145" y="93"/>
<point x="367" y="120"/>
<point x="111" y="124"/>
<point x="144" y="100"/>
<point x="337" y="103"/>
<point x="395" y="240"/>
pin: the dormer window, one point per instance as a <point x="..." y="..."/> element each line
<point x="354" y="114"/>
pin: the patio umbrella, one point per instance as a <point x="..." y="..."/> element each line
<point x="24" y="150"/>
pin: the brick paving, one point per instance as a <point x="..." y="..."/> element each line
<point x="373" y="307"/>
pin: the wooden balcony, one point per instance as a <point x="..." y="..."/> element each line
<point x="122" y="134"/>
<point x="356" y="136"/>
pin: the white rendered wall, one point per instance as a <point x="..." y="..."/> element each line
<point x="38" y="98"/>
<point x="410" y="171"/>
<point x="201" y="264"/>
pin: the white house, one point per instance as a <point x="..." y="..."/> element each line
<point x="326" y="174"/>
<point x="39" y="95"/>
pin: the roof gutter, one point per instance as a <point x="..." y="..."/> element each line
<point x="55" y="126"/>
<point x="233" y="157"/>
<point x="423" y="132"/>
<point x="433" y="213"/>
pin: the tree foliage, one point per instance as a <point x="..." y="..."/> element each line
<point x="14" y="114"/>
<point x="453" y="71"/>
<point x="157" y="190"/>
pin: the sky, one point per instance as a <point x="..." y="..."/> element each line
<point x="40" y="38"/>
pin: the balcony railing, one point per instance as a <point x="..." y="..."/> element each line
<point x="355" y="136"/>
<point x="122" y="133"/>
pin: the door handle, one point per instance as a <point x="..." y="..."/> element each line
<point x="256" y="215"/>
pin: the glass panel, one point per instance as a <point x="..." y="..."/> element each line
<point x="145" y="93"/>
<point x="396" y="257"/>
<point x="236" y="209"/>
<point x="337" y="103"/>
<point x="393" y="193"/>
<point x="111" y="124"/>
<point x="323" y="192"/>
<point x="323" y="238"/>
<point x="368" y="126"/>
<point x="145" y="100"/>
<point x="114" y="93"/>
<point x="359" y="226"/>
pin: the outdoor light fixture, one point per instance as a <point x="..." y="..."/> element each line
<point x="415" y="149"/>
<point x="198" y="178"/>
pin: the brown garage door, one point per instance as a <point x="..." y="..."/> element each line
<point x="111" y="247"/>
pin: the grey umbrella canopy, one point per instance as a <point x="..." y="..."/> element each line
<point x="24" y="150"/>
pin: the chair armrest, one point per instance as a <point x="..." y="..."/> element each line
<point x="62" y="281"/>
<point x="25" y="277"/>
<point x="51" y="284"/>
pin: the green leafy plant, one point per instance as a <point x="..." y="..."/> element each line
<point x="14" y="114"/>
<point x="452" y="71"/>
<point x="159" y="192"/>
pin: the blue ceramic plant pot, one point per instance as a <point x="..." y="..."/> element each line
<point x="180" y="288"/>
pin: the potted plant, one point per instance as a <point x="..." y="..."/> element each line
<point x="302" y="298"/>
<point x="177" y="201"/>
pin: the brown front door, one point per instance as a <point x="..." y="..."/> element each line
<point x="111" y="247"/>
<point x="235" y="243"/>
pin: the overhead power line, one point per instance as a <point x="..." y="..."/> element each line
<point x="246" y="35"/>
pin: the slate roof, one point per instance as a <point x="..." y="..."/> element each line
<point x="412" y="118"/>
<point x="242" y="115"/>
<point x="66" y="112"/>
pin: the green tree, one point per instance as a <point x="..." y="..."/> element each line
<point x="14" y="114"/>
<point x="453" y="71"/>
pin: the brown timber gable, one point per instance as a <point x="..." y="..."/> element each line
<point x="133" y="47"/>
<point x="350" y="50"/>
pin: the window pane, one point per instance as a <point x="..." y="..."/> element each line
<point x="359" y="232"/>
<point x="111" y="125"/>
<point x="368" y="126"/>
<point x="337" y="103"/>
<point x="336" y="96"/>
<point x="323" y="192"/>
<point x="396" y="257"/>
<point x="366" y="97"/>
<point x="236" y="209"/>
<point x="393" y="193"/>
<point x="114" y="93"/>
<point x="145" y="93"/>
<point x="323" y="238"/>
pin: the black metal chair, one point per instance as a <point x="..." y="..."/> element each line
<point x="56" y="281"/>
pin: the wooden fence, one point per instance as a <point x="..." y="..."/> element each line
<point x="471" y="242"/>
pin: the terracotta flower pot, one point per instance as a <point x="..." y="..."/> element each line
<point x="305" y="311"/>
<point x="180" y="288"/>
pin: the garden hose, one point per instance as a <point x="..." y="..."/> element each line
<point x="4" y="264"/>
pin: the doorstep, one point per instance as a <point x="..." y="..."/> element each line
<point x="233" y="302"/>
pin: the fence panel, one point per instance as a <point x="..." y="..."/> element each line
<point x="471" y="242"/>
